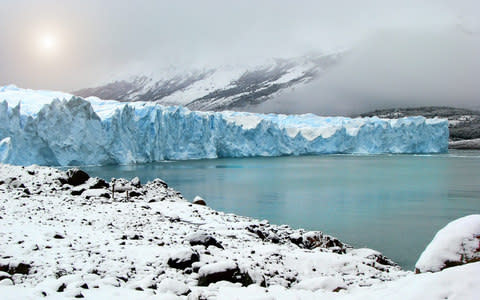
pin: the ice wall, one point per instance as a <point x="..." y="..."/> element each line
<point x="81" y="132"/>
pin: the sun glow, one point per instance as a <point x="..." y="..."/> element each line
<point x="47" y="43"/>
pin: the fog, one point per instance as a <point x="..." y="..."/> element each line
<point x="399" y="52"/>
<point x="393" y="69"/>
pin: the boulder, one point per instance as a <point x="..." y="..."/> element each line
<point x="136" y="182"/>
<point x="76" y="177"/>
<point x="6" y="282"/>
<point x="183" y="259"/>
<point x="222" y="271"/>
<point x="4" y="275"/>
<point x="199" y="201"/>
<point x="134" y="194"/>
<point x="15" y="268"/>
<point x="203" y="239"/>
<point x="456" y="244"/>
<point x="98" y="183"/>
<point x="173" y="286"/>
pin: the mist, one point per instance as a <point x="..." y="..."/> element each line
<point x="393" y="69"/>
<point x="398" y="53"/>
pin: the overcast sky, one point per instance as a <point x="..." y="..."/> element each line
<point x="429" y="47"/>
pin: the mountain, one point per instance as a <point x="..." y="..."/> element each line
<point x="223" y="88"/>
<point x="464" y="124"/>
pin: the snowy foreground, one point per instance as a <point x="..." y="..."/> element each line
<point x="62" y="235"/>
<point x="35" y="128"/>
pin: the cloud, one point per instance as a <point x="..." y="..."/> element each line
<point x="394" y="68"/>
<point x="104" y="40"/>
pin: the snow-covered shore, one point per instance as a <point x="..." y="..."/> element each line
<point x="62" y="235"/>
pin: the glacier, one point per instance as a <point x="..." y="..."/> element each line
<point x="59" y="129"/>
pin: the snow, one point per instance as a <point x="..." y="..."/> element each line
<point x="76" y="131"/>
<point x="217" y="268"/>
<point x="119" y="248"/>
<point x="460" y="283"/>
<point x="457" y="243"/>
<point x="329" y="283"/>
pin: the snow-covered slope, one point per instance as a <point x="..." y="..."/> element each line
<point x="93" y="131"/>
<point x="456" y="244"/>
<point x="65" y="235"/>
<point x="221" y="88"/>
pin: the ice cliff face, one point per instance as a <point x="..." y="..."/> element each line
<point x="93" y="131"/>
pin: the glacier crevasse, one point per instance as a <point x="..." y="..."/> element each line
<point x="74" y="132"/>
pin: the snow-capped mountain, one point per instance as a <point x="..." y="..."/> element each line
<point x="220" y="88"/>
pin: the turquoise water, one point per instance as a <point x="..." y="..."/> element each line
<point x="391" y="203"/>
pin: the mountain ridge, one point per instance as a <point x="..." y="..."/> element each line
<point x="223" y="88"/>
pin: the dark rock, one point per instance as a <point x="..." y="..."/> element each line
<point x="204" y="240"/>
<point x="275" y="239"/>
<point x="77" y="192"/>
<point x="199" y="201"/>
<point x="297" y="240"/>
<point x="183" y="260"/>
<point x="384" y="260"/>
<point x="84" y="286"/>
<point x="26" y="191"/>
<point x="258" y="232"/>
<point x="76" y="177"/>
<point x="58" y="236"/>
<point x="105" y="195"/>
<point x="61" y="288"/>
<point x="136" y="237"/>
<point x="134" y="194"/>
<point x="12" y="268"/>
<point x="100" y="184"/>
<point x="230" y="274"/>
<point x="79" y="295"/>
<point x="159" y="182"/>
<point x="31" y="172"/>
<point x="2" y="277"/>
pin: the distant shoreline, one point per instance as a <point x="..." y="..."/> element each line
<point x="473" y="144"/>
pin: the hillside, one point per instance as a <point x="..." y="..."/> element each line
<point x="221" y="88"/>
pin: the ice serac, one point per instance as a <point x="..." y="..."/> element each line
<point x="81" y="132"/>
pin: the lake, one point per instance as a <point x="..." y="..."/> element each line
<point x="391" y="203"/>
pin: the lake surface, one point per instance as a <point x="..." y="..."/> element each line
<point x="391" y="203"/>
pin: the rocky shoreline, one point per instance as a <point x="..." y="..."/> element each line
<point x="64" y="234"/>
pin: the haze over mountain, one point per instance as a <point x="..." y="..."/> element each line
<point x="231" y="55"/>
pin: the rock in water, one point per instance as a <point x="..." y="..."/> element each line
<point x="456" y="244"/>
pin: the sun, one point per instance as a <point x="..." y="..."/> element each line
<point x="47" y="43"/>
